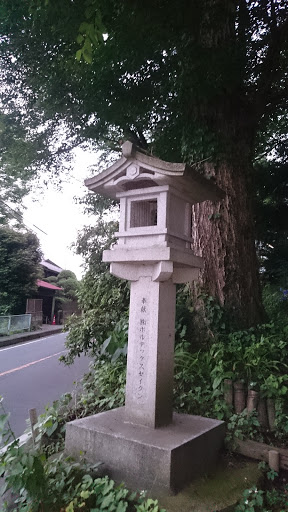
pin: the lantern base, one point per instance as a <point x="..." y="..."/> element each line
<point x="161" y="460"/>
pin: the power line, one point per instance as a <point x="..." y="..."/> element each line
<point x="19" y="216"/>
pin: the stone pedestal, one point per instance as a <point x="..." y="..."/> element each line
<point x="161" y="460"/>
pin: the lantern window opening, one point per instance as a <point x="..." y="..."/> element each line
<point x="143" y="213"/>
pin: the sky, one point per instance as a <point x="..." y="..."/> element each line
<point x="56" y="213"/>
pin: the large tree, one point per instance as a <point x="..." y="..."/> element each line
<point x="30" y="152"/>
<point x="20" y="256"/>
<point x="204" y="82"/>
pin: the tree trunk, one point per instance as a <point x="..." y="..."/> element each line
<point x="223" y="235"/>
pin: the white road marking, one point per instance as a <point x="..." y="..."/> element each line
<point x="29" y="342"/>
<point x="30" y="364"/>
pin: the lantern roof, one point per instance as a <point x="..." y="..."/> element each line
<point x="138" y="170"/>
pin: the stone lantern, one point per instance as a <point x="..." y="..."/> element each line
<point x="144" y="443"/>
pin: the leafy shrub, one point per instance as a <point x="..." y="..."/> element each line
<point x="193" y="390"/>
<point x="275" y="303"/>
<point x="244" y="425"/>
<point x="273" y="497"/>
<point x="281" y="421"/>
<point x="252" y="501"/>
<point x="252" y="355"/>
<point x="51" y="424"/>
<point x="42" y="484"/>
<point x="102" y="494"/>
<point x="103" y="387"/>
<point x="38" y="483"/>
<point x="89" y="332"/>
<point x="103" y="298"/>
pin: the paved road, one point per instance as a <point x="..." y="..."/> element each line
<point x="31" y="376"/>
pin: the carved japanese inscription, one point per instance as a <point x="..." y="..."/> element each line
<point x="142" y="350"/>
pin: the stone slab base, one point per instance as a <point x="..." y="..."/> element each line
<point x="160" y="460"/>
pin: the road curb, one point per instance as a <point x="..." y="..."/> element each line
<point x="22" y="440"/>
<point x="14" y="340"/>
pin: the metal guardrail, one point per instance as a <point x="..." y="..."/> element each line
<point x="12" y="324"/>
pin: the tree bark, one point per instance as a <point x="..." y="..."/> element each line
<point x="223" y="234"/>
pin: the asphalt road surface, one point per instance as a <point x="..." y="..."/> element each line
<point x="31" y="377"/>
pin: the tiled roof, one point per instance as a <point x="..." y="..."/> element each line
<point x="43" y="284"/>
<point x="51" y="266"/>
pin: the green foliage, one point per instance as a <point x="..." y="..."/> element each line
<point x="103" y="387"/>
<point x="244" y="425"/>
<point x="281" y="421"/>
<point x="42" y="484"/>
<point x="209" y="318"/>
<point x="214" y="314"/>
<point x="252" y="501"/>
<point x="51" y="424"/>
<point x="103" y="299"/>
<point x="275" y="386"/>
<point x="145" y="89"/>
<point x="6" y="434"/>
<point x="200" y="317"/>
<point x="15" y="155"/>
<point x="19" y="269"/>
<point x="252" y="355"/>
<point x="256" y="356"/>
<point x="193" y="391"/>
<point x="209" y="82"/>
<point x="271" y="211"/>
<point x="273" y="497"/>
<point x="116" y="344"/>
<point x="58" y="484"/>
<point x="34" y="147"/>
<point x="275" y="304"/>
<point x="66" y="280"/>
<point x="99" y="328"/>
<point x="103" y="494"/>
<point x="66" y="274"/>
<point x="37" y="484"/>
<point x="90" y="34"/>
<point x="133" y="92"/>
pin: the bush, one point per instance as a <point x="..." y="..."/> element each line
<point x="252" y="355"/>
<point x="275" y="301"/>
<point x="44" y="484"/>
